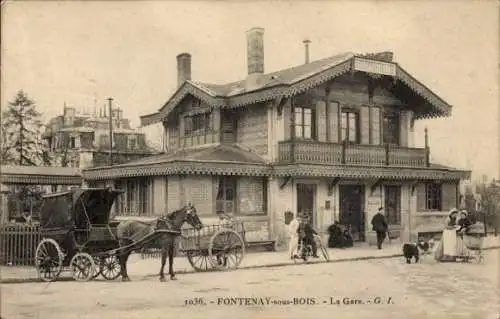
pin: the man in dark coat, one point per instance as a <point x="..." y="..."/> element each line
<point x="379" y="225"/>
<point x="307" y="232"/>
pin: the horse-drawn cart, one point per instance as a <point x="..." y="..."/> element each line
<point x="76" y="233"/>
<point x="215" y="246"/>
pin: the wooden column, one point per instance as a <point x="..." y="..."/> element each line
<point x="339" y="120"/>
<point x="180" y="120"/>
<point x="327" y="113"/>
<point x="217" y="124"/>
<point x="370" y="115"/>
<point x="292" y="129"/>
<point x="427" y="151"/>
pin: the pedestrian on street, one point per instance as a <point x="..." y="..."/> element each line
<point x="379" y="225"/>
<point x="294" y="239"/>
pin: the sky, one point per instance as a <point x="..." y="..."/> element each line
<point x="82" y="52"/>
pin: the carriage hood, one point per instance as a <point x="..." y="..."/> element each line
<point x="93" y="203"/>
<point x="77" y="208"/>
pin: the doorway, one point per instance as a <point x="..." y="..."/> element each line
<point x="306" y="200"/>
<point x="392" y="204"/>
<point x="351" y="210"/>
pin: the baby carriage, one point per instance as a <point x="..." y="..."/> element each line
<point x="473" y="243"/>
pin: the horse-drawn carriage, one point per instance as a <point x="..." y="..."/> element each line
<point x="218" y="247"/>
<point x="77" y="235"/>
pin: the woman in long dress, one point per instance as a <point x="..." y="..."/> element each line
<point x="447" y="246"/>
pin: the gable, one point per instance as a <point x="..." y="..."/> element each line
<point x="293" y="81"/>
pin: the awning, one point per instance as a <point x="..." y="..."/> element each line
<point x="39" y="175"/>
<point x="363" y="172"/>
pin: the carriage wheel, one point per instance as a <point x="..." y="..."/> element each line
<point x="226" y="249"/>
<point x="109" y="267"/>
<point x="48" y="259"/>
<point x="97" y="261"/>
<point x="323" y="249"/>
<point x="199" y="260"/>
<point x="82" y="267"/>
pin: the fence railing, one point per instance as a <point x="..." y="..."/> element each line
<point x="18" y="244"/>
<point x="358" y="154"/>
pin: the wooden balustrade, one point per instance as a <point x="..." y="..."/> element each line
<point x="351" y="154"/>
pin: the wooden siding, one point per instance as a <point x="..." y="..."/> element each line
<point x="252" y="129"/>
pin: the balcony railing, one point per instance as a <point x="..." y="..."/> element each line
<point x="344" y="153"/>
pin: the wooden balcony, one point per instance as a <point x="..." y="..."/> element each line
<point x="351" y="154"/>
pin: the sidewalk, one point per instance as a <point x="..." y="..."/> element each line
<point x="150" y="267"/>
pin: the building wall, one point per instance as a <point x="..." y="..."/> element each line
<point x="252" y="129"/>
<point x="167" y="194"/>
<point x="413" y="221"/>
<point x="352" y="93"/>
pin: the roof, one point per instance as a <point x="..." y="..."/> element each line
<point x="40" y="175"/>
<point x="218" y="159"/>
<point x="39" y="170"/>
<point x="232" y="160"/>
<point x="282" y="77"/>
<point x="297" y="79"/>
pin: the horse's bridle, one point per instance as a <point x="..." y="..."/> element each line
<point x="167" y="220"/>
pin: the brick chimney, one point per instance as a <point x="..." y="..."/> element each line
<point x="183" y="68"/>
<point x="306" y="47"/>
<point x="255" y="57"/>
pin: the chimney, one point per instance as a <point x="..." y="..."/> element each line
<point x="183" y="68"/>
<point x="255" y="57"/>
<point x="386" y="56"/>
<point x="306" y="46"/>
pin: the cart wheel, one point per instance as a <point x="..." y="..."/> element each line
<point x="97" y="261"/>
<point x="324" y="252"/>
<point x="226" y="249"/>
<point x="323" y="249"/>
<point x="48" y="260"/>
<point x="82" y="267"/>
<point x="109" y="267"/>
<point x="199" y="260"/>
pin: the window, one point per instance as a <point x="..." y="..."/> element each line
<point x="132" y="142"/>
<point x="350" y="126"/>
<point x="226" y="194"/>
<point x="304" y="122"/>
<point x="72" y="142"/>
<point x="433" y="196"/>
<point x="195" y="103"/>
<point x="392" y="204"/>
<point x="197" y="124"/>
<point x="391" y="128"/>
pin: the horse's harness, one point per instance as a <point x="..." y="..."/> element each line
<point x="167" y="220"/>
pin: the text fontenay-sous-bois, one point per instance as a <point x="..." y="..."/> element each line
<point x="293" y="301"/>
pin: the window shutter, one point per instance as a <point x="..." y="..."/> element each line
<point x="449" y="196"/>
<point x="321" y="121"/>
<point x="364" y="125"/>
<point x="287" y="116"/>
<point x="421" y="198"/>
<point x="403" y="129"/>
<point x="333" y="119"/>
<point x="376" y="125"/>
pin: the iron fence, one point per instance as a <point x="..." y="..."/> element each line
<point x="18" y="244"/>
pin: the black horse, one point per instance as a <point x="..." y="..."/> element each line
<point x="130" y="231"/>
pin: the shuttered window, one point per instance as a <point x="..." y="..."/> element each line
<point x="304" y="122"/>
<point x="350" y="127"/>
<point x="433" y="196"/>
<point x="226" y="194"/>
<point x="391" y="128"/>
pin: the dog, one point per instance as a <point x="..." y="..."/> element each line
<point x="415" y="250"/>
